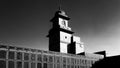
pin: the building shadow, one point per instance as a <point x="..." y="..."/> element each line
<point x="108" y="62"/>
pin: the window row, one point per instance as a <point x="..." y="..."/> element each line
<point x="43" y="58"/>
<point x="11" y="55"/>
<point x="27" y="56"/>
<point x="19" y="64"/>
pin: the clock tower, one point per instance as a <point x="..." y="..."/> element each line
<point x="60" y="34"/>
<point x="61" y="37"/>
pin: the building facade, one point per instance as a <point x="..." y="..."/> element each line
<point x="19" y="57"/>
<point x="64" y="50"/>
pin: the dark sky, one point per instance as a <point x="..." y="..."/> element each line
<point x="26" y="23"/>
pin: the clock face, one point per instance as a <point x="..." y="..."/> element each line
<point x="65" y="37"/>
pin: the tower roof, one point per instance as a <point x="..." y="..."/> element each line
<point x="61" y="12"/>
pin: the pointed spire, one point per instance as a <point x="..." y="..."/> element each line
<point x="59" y="4"/>
<point x="60" y="11"/>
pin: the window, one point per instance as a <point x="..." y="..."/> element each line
<point x="11" y="64"/>
<point x="75" y="66"/>
<point x="72" y="66"/>
<point x="33" y="65"/>
<point x="2" y="64"/>
<point x="64" y="60"/>
<point x="26" y="56"/>
<point x="3" y="54"/>
<point x="45" y="65"/>
<point x="87" y="66"/>
<point x="85" y="62"/>
<point x="58" y="65"/>
<point x="80" y="61"/>
<point x="33" y="57"/>
<point x="72" y="61"/>
<point x="45" y="58"/>
<point x="19" y="64"/>
<point x="77" y="61"/>
<point x="39" y="65"/>
<point x="82" y="67"/>
<point x="88" y="62"/>
<point x="92" y="62"/>
<point x="39" y="57"/>
<point x="68" y="60"/>
<point x="11" y="55"/>
<point x="50" y="59"/>
<point x="19" y="56"/>
<point x="58" y="59"/>
<point x="55" y="66"/>
<point x="68" y="66"/>
<point x="26" y="65"/>
<point x="64" y="65"/>
<point x="50" y="65"/>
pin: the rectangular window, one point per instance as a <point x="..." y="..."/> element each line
<point x="45" y="58"/>
<point x="11" y="64"/>
<point x="72" y="61"/>
<point x="75" y="66"/>
<point x="54" y="59"/>
<point x="58" y="65"/>
<point x="64" y="65"/>
<point x="80" y="61"/>
<point x="72" y="66"/>
<point x="39" y="57"/>
<point x="58" y="59"/>
<point x="33" y="65"/>
<point x="19" y="56"/>
<point x="33" y="57"/>
<point x="45" y="65"/>
<point x="77" y="61"/>
<point x="64" y="60"/>
<point x="68" y="66"/>
<point x="50" y="59"/>
<point x="19" y="64"/>
<point x="3" y="54"/>
<point x="26" y="64"/>
<point x="55" y="65"/>
<point x="80" y="66"/>
<point x="39" y="65"/>
<point x="68" y="60"/>
<point x="85" y="62"/>
<point x="2" y="64"/>
<point x="26" y="56"/>
<point x="11" y="55"/>
<point x="50" y="65"/>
